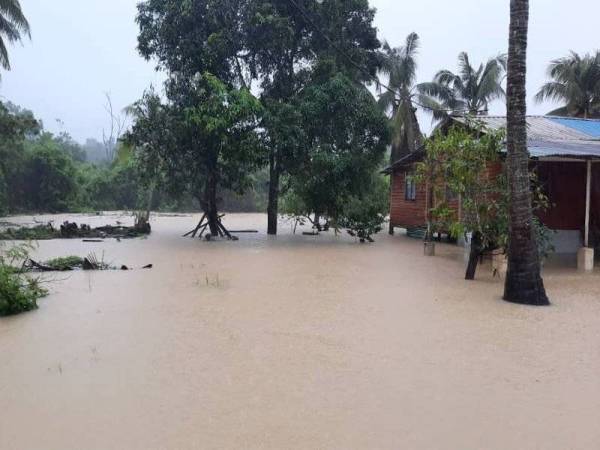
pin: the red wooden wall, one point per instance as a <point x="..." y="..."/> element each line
<point x="407" y="213"/>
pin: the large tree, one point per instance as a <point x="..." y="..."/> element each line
<point x="284" y="39"/>
<point x="13" y="25"/>
<point x="202" y="141"/>
<point x="524" y="283"/>
<point x="211" y="137"/>
<point x="576" y="84"/>
<point x="470" y="91"/>
<point x="346" y="136"/>
<point x="399" y="65"/>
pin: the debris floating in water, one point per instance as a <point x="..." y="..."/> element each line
<point x="71" y="230"/>
<point x="71" y="263"/>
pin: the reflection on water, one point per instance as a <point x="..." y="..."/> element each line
<point x="295" y="342"/>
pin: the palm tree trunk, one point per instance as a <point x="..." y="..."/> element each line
<point x="524" y="283"/>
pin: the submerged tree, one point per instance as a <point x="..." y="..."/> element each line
<point x="365" y="212"/>
<point x="576" y="83"/>
<point x="470" y="91"/>
<point x="202" y="141"/>
<point x="524" y="282"/>
<point x="284" y="39"/>
<point x="211" y="137"/>
<point x="346" y="136"/>
<point x="459" y="168"/>
<point x="13" y="25"/>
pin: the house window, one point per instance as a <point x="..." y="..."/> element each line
<point x="410" y="190"/>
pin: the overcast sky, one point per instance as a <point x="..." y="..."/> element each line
<point x="81" y="49"/>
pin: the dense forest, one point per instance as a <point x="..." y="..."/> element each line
<point x="44" y="172"/>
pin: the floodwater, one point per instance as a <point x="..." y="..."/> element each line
<point x="296" y="342"/>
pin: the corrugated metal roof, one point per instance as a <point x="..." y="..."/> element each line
<point x="555" y="136"/>
<point x="588" y="127"/>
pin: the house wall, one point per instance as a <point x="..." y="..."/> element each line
<point x="565" y="185"/>
<point x="563" y="182"/>
<point x="407" y="213"/>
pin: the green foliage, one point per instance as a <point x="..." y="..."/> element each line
<point x="18" y="292"/>
<point x="193" y="36"/>
<point x="64" y="263"/>
<point x="365" y="214"/>
<point x="207" y="139"/>
<point x="456" y="166"/>
<point x="469" y="91"/>
<point x="16" y="125"/>
<point x="346" y="135"/>
<point x="48" y="176"/>
<point x="37" y="233"/>
<point x="576" y="83"/>
<point x="400" y="66"/>
<point x="116" y="187"/>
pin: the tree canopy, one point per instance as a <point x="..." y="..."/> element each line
<point x="400" y="66"/>
<point x="469" y="91"/>
<point x="576" y="84"/>
<point x="346" y="136"/>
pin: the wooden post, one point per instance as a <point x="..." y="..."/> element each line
<point x="588" y="197"/>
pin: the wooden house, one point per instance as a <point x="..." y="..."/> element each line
<point x="565" y="153"/>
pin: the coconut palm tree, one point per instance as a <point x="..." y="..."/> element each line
<point x="470" y="91"/>
<point x="576" y="83"/>
<point x="12" y="25"/>
<point x="524" y="283"/>
<point x="399" y="65"/>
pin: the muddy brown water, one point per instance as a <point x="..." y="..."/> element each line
<point x="296" y="342"/>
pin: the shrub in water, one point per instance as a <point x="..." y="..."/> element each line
<point x="18" y="293"/>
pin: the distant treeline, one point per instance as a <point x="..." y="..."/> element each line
<point x="44" y="172"/>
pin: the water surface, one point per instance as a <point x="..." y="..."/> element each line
<point x="295" y="342"/>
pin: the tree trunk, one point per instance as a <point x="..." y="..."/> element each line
<point x="151" y="195"/>
<point x="474" y="256"/>
<point x="273" y="206"/>
<point x="524" y="284"/>
<point x="210" y="205"/>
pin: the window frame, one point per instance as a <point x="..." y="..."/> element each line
<point x="410" y="189"/>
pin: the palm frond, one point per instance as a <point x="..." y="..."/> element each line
<point x="553" y="91"/>
<point x="12" y="24"/>
<point x="12" y="12"/>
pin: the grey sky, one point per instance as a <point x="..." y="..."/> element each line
<point x="83" y="48"/>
